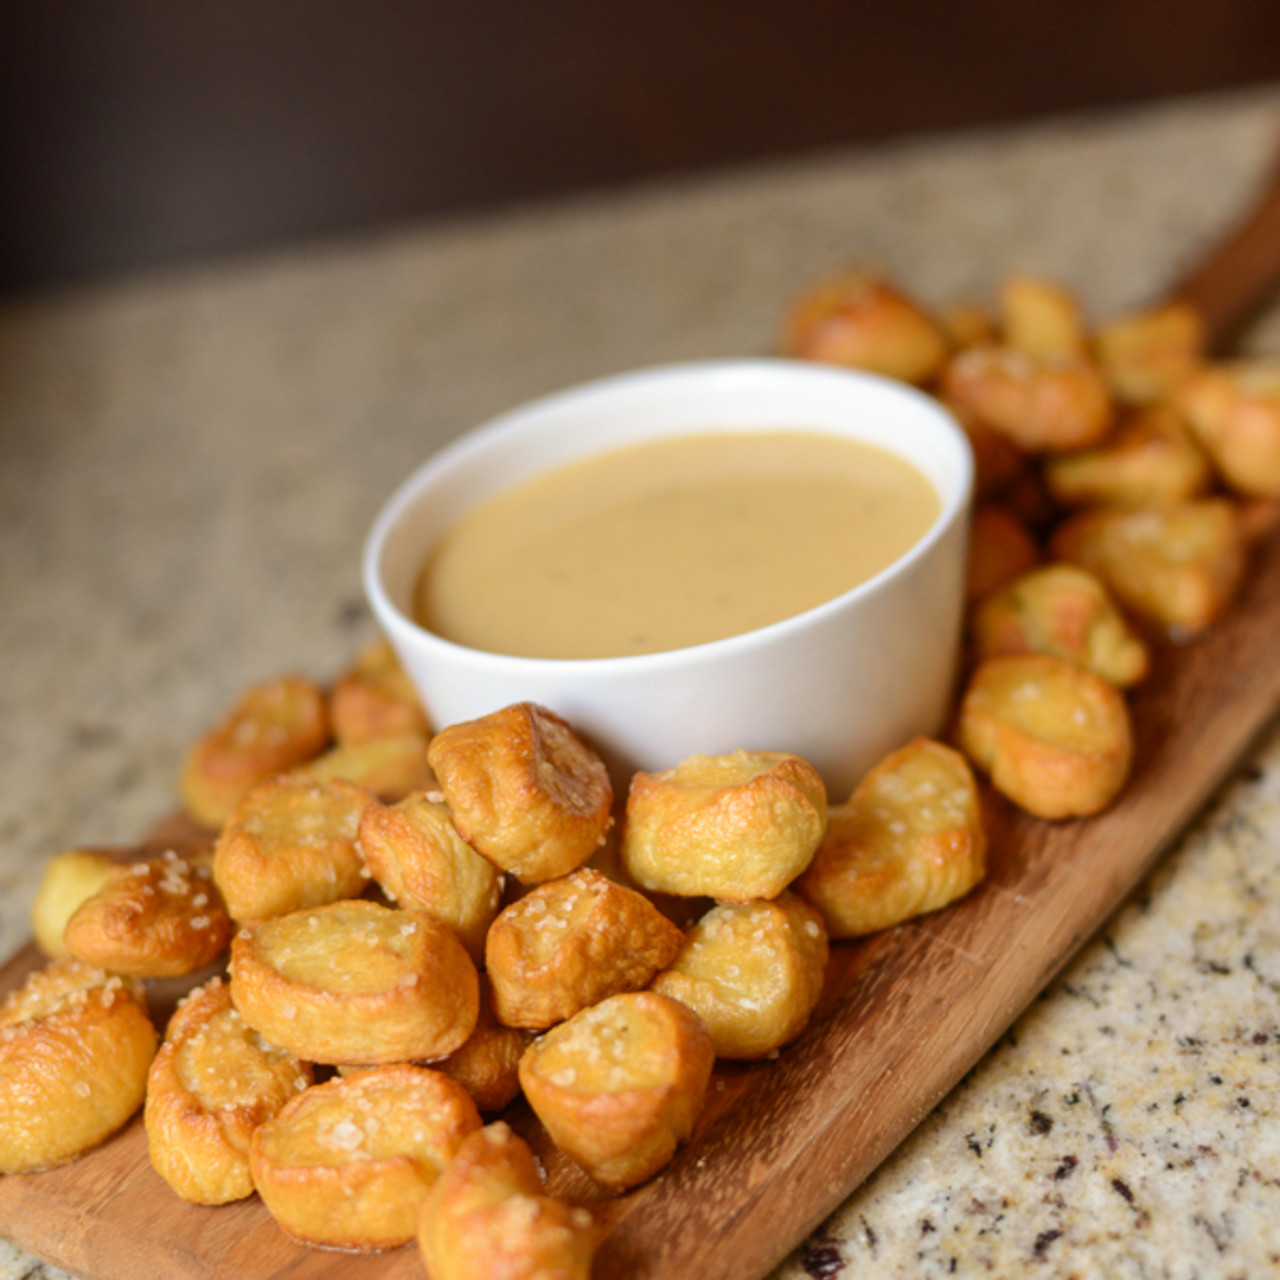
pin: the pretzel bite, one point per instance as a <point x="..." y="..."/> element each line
<point x="909" y="840"/>
<point x="487" y="1066"/>
<point x="967" y="324"/>
<point x="75" y="1045"/>
<point x="1177" y="566"/>
<point x="1152" y="460"/>
<point x="1040" y="405"/>
<point x="390" y="768"/>
<point x="997" y="461"/>
<point x="1041" y="318"/>
<point x="619" y="1085"/>
<point x="861" y="321"/>
<point x="1001" y="548"/>
<point x="291" y="843"/>
<point x="355" y="982"/>
<point x="752" y="972"/>
<point x="1146" y="356"/>
<point x="1061" y="610"/>
<point x="733" y="827"/>
<point x="213" y="1082"/>
<point x="1234" y="411"/>
<point x="416" y="855"/>
<point x="161" y="918"/>
<point x="572" y="942"/>
<point x="346" y="1164"/>
<point x="524" y="790"/>
<point x="486" y="1218"/>
<point x="70" y="879"/>
<point x="374" y="698"/>
<point x="272" y="727"/>
<point x="1054" y="738"/>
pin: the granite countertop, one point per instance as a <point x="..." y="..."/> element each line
<point x="189" y="461"/>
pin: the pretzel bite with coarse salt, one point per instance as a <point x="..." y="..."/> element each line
<point x="347" y="1164"/>
<point x="1054" y="738"/>
<point x="272" y="727"/>
<point x="910" y="839"/>
<point x="752" y="971"/>
<point x="161" y="918"/>
<point x="861" y="321"/>
<point x="374" y="698"/>
<point x="213" y="1082"/>
<point x="570" y="943"/>
<point x="1234" y="411"/>
<point x="1041" y="318"/>
<point x="619" y="1085"/>
<point x="487" y="1218"/>
<point x="1065" y="611"/>
<point x="75" y="1045"/>
<point x="1146" y="356"/>
<point x="414" y="852"/>
<point x="70" y="879"/>
<point x="524" y="790"/>
<point x="1040" y="405"/>
<point x="733" y="827"/>
<point x="355" y="982"/>
<point x="390" y="767"/>
<point x="487" y="1066"/>
<point x="1178" y="567"/>
<point x="291" y="843"/>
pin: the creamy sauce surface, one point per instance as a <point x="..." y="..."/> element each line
<point x="672" y="543"/>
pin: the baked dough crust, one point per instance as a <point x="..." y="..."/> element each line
<point x="70" y="879"/>
<point x="571" y="943"/>
<point x="524" y="790"/>
<point x="1054" y="738"/>
<point x="213" y="1082"/>
<point x="487" y="1065"/>
<point x="355" y="982"/>
<point x="487" y="1218"/>
<point x="375" y="698"/>
<point x="291" y="843"/>
<point x="271" y="727"/>
<point x="161" y="918"/>
<point x="390" y="768"/>
<point x="732" y="827"/>
<point x="414" y="852"/>
<point x="909" y="840"/>
<point x="75" y="1046"/>
<point x="347" y="1164"/>
<point x="752" y="972"/>
<point x="620" y="1085"/>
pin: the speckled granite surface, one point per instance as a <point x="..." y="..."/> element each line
<point x="189" y="461"/>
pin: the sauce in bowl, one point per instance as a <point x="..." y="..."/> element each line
<point x="672" y="543"/>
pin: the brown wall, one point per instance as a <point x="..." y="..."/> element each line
<point x="158" y="130"/>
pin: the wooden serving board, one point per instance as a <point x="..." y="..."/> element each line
<point x="905" y="1014"/>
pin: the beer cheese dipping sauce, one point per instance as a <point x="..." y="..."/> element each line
<point x="672" y="543"/>
<point x="842" y="681"/>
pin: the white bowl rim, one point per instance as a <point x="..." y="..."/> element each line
<point x="513" y="421"/>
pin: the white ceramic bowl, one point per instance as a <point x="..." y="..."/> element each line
<point x="841" y="684"/>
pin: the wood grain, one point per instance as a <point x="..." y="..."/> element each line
<point x="904" y="1015"/>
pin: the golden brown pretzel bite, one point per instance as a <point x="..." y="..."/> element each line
<point x="1053" y="737"/>
<point x="70" y="879"/>
<point x="1234" y="411"/>
<point x="1062" y="610"/>
<point x="619" y="1085"/>
<point x="1146" y="356"/>
<point x="1178" y="567"/>
<point x="570" y="943"/>
<point x="861" y="321"/>
<point x="347" y="1164"/>
<point x="414" y="852"/>
<point x="355" y="982"/>
<point x="1001" y="549"/>
<point x="487" y="1065"/>
<point x="291" y="843"/>
<point x="1041" y="318"/>
<point x="374" y="698"/>
<point x="909" y="840"/>
<point x="752" y="971"/>
<point x="486" y="1218"/>
<point x="1151" y="460"/>
<point x="733" y="827"/>
<point x="389" y="767"/>
<point x="75" y="1045"/>
<point x="524" y="790"/>
<point x="213" y="1082"/>
<point x="161" y="918"/>
<point x="272" y="727"/>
